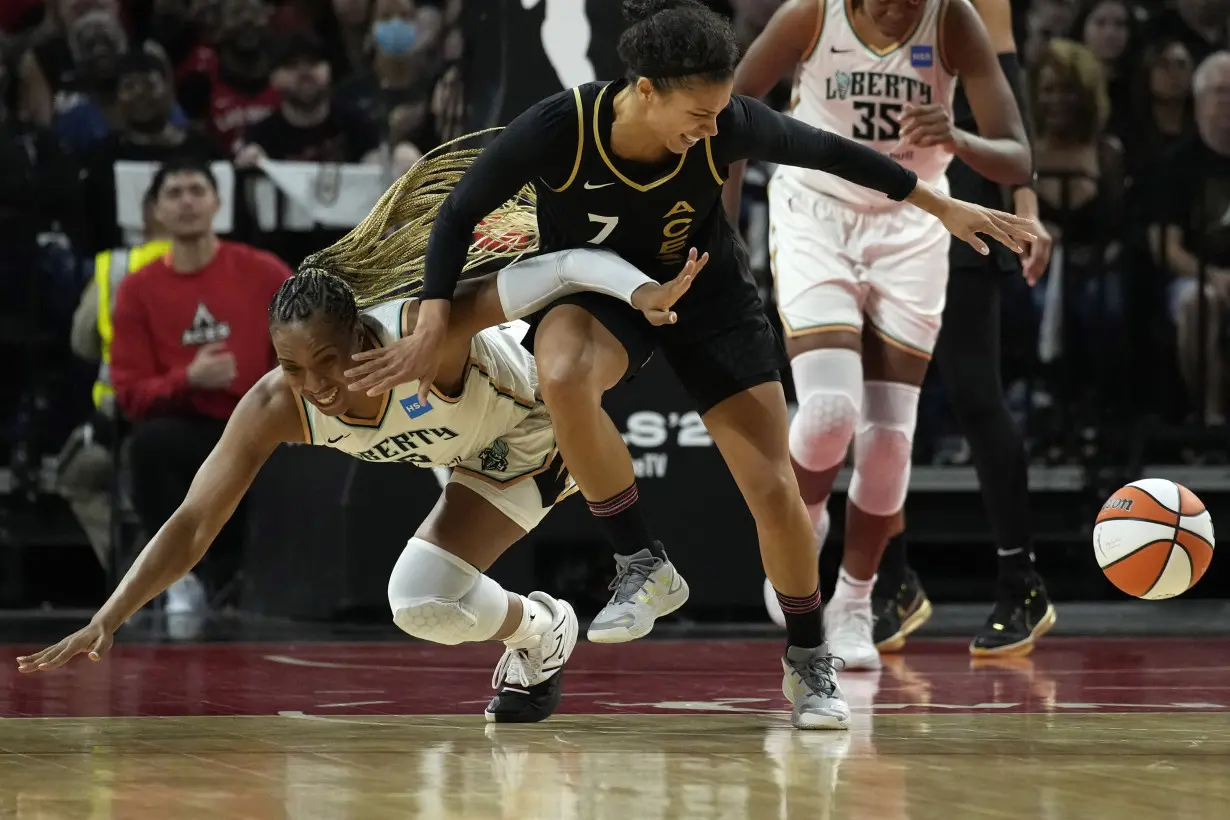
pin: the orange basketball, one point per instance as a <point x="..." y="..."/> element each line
<point x="1153" y="539"/>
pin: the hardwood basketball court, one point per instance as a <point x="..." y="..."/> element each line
<point x="656" y="729"/>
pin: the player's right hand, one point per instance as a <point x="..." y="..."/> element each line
<point x="656" y="300"/>
<point x="94" y="639"/>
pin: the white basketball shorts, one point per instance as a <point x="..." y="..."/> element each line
<point x="521" y="473"/>
<point x="833" y="264"/>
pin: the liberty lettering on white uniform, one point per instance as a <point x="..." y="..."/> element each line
<point x="847" y="88"/>
<point x="498" y="393"/>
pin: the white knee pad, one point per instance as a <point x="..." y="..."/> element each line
<point x="440" y="598"/>
<point x="882" y="447"/>
<point x="829" y="386"/>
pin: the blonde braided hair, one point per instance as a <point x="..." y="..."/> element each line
<point x="383" y="256"/>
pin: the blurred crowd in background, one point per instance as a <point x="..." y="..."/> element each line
<point x="1132" y="146"/>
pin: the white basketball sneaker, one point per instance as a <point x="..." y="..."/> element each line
<point x="848" y="625"/>
<point x="771" y="604"/>
<point x="645" y="588"/>
<point x="530" y="675"/>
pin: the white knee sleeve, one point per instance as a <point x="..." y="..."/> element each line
<point x="829" y="386"/>
<point x="882" y="447"/>
<point x="438" y="597"/>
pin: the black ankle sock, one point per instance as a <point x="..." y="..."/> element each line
<point x="1019" y="561"/>
<point x="625" y="527"/>
<point x="893" y="565"/>
<point x="804" y="628"/>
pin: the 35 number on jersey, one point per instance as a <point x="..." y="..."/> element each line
<point x="880" y="121"/>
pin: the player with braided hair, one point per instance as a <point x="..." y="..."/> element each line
<point x="483" y="417"/>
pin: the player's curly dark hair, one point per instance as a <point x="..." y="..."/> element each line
<point x="677" y="43"/>
<point x="312" y="294"/>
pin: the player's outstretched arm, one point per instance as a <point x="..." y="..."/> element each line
<point x="1000" y="151"/>
<point x="264" y="418"/>
<point x="786" y="41"/>
<point x="755" y="131"/>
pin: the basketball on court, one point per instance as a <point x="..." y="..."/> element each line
<point x="1153" y="539"/>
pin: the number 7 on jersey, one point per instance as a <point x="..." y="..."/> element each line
<point x="608" y="224"/>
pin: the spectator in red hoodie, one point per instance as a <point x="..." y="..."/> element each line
<point x="190" y="338"/>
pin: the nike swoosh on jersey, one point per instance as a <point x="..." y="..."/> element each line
<point x="589" y="186"/>
<point x="339" y="438"/>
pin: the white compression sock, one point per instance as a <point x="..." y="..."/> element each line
<point x="850" y="588"/>
<point x="535" y="620"/>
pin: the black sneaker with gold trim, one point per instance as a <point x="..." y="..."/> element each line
<point x="898" y="616"/>
<point x="1023" y="613"/>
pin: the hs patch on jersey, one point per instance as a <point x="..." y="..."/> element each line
<point x="413" y="408"/>
<point x="921" y="56"/>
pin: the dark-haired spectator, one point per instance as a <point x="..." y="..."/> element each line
<point x="396" y="92"/>
<point x="190" y="338"/>
<point x="1201" y="25"/>
<point x="1045" y="20"/>
<point x="1192" y="228"/>
<point x="1108" y="28"/>
<point x="308" y="126"/>
<point x="1161" y="106"/>
<point x="230" y="89"/>
<point x="97" y="42"/>
<point x="48" y="71"/>
<point x="148" y="132"/>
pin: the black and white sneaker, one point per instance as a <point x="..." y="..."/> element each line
<point x="1023" y="613"/>
<point x="898" y="612"/>
<point x="529" y="678"/>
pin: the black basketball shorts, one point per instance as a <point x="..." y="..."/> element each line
<point x="713" y="359"/>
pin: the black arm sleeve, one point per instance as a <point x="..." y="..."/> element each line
<point x="539" y="144"/>
<point x="1011" y="66"/>
<point x="749" y="129"/>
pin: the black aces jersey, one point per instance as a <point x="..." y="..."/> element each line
<point x="648" y="214"/>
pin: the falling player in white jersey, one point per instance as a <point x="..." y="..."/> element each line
<point x="882" y="72"/>
<point x="484" y="418"/>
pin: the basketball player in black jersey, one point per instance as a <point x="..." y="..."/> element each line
<point x="637" y="166"/>
<point x="967" y="354"/>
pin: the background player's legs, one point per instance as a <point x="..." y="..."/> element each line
<point x="751" y="429"/>
<point x="579" y="359"/>
<point x="968" y="358"/>
<point x="882" y="447"/>
<point x="438" y="593"/>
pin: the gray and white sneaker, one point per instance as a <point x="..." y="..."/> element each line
<point x="810" y="684"/>
<point x="646" y="588"/>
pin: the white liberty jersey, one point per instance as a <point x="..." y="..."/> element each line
<point x="499" y="392"/>
<point x="846" y="87"/>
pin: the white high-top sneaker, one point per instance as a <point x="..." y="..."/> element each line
<point x="848" y="628"/>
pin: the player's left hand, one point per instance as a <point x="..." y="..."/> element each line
<point x="656" y="300"/>
<point x="965" y="221"/>
<point x="927" y="126"/>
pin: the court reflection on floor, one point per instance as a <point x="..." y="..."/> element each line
<point x="649" y="767"/>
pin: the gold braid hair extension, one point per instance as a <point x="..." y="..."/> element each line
<point x="383" y="256"/>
